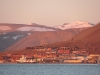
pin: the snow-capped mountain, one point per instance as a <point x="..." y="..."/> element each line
<point x="2" y="28"/>
<point x="25" y="27"/>
<point x="37" y="27"/>
<point x="34" y="29"/>
<point x="77" y="24"/>
<point x="13" y="33"/>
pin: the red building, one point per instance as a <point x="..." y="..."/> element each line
<point x="63" y="51"/>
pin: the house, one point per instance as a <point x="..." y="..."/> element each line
<point x="72" y="61"/>
<point x="63" y="51"/>
<point x="49" y="60"/>
<point x="80" y="52"/>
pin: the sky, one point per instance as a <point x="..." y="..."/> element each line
<point x="49" y="12"/>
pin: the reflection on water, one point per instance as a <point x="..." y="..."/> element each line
<point x="49" y="69"/>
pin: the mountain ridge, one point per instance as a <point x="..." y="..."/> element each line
<point x="77" y="24"/>
<point x="18" y="32"/>
<point x="88" y="39"/>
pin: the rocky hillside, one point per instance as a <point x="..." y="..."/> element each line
<point x="44" y="38"/>
<point x="89" y="39"/>
<point x="34" y="34"/>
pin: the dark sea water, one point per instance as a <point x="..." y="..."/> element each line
<point x="49" y="69"/>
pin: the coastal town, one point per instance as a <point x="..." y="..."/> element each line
<point x="43" y="55"/>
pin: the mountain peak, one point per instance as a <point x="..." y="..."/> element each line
<point x="81" y="21"/>
<point x="77" y="24"/>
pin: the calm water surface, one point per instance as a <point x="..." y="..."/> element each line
<point x="49" y="69"/>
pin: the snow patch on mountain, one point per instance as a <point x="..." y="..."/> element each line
<point x="34" y="29"/>
<point x="5" y="37"/>
<point x="4" y="33"/>
<point x="28" y="33"/>
<point x="2" y="28"/>
<point x="15" y="37"/>
<point x="77" y="24"/>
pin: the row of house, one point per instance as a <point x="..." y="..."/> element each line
<point x="51" y="55"/>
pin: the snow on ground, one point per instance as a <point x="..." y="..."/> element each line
<point x="5" y="28"/>
<point x="77" y="24"/>
<point x="34" y="29"/>
<point x="15" y="37"/>
<point x="4" y="33"/>
<point x="28" y="33"/>
<point x="5" y="37"/>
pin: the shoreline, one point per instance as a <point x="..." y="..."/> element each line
<point x="55" y="63"/>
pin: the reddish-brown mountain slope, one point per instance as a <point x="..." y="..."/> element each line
<point x="43" y="38"/>
<point x="89" y="39"/>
